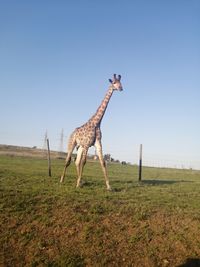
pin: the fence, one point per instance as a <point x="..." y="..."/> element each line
<point x="165" y="162"/>
<point x="128" y="155"/>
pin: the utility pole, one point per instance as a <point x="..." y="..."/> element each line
<point x="61" y="141"/>
<point x="45" y="141"/>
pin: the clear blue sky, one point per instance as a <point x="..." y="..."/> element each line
<point x="56" y="58"/>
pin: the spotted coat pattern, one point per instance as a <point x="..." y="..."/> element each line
<point x="89" y="134"/>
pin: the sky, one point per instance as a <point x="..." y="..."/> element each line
<point x="56" y="58"/>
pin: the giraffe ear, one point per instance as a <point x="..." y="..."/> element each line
<point x="110" y="80"/>
<point x="119" y="77"/>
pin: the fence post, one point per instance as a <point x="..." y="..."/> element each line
<point x="49" y="159"/>
<point x="140" y="164"/>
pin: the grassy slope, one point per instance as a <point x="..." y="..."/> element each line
<point x="43" y="223"/>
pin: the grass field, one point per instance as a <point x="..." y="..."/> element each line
<point x="43" y="223"/>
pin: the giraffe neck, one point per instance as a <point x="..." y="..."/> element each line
<point x="98" y="116"/>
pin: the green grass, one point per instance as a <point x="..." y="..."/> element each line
<point x="45" y="223"/>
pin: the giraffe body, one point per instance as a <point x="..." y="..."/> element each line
<point x="89" y="134"/>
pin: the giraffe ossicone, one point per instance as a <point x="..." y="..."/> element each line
<point x="89" y="134"/>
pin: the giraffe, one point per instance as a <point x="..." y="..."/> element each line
<point x="89" y="134"/>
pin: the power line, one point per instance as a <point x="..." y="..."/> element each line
<point x="45" y="140"/>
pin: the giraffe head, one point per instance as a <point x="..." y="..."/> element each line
<point x="116" y="84"/>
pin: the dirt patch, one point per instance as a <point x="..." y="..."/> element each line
<point x="81" y="238"/>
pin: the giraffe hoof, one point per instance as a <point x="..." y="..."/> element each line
<point x="61" y="179"/>
<point x="109" y="188"/>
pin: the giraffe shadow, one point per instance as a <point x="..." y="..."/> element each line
<point x="154" y="182"/>
<point x="127" y="185"/>
<point x="91" y="184"/>
<point x="124" y="186"/>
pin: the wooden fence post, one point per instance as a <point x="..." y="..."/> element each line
<point x="49" y="159"/>
<point x="140" y="164"/>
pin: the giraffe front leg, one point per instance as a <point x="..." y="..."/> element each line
<point x="77" y="162"/>
<point x="103" y="163"/>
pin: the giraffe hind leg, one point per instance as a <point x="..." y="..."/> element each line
<point x="71" y="146"/>
<point x="80" y="163"/>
